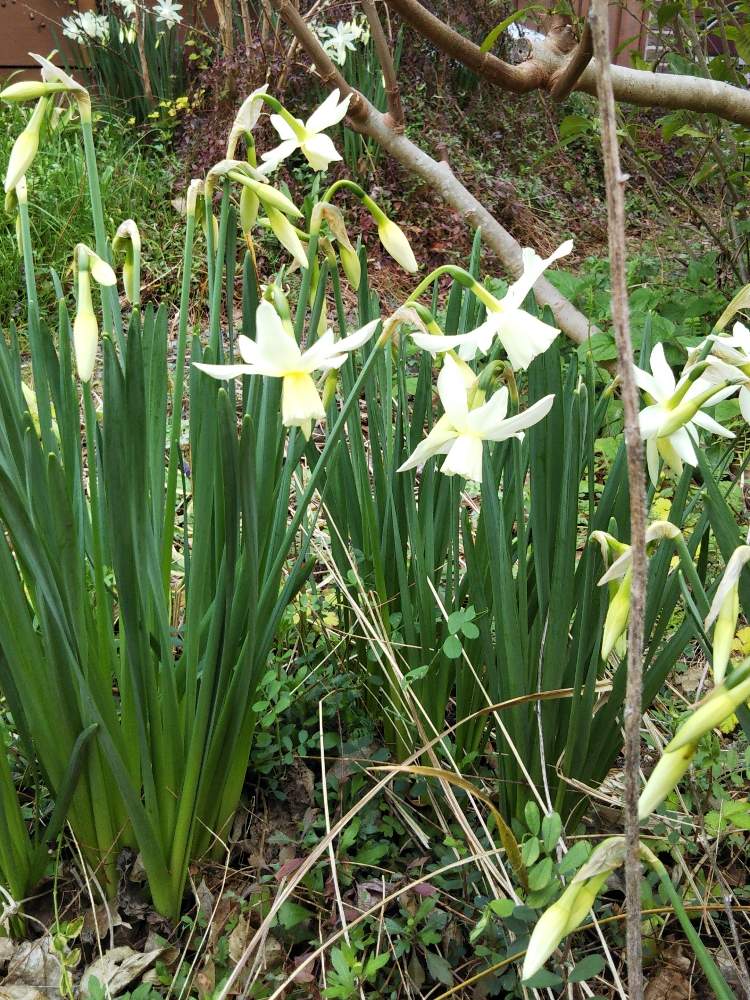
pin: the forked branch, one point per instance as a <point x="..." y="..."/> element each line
<point x="549" y="60"/>
<point x="385" y="58"/>
<point x="438" y="175"/>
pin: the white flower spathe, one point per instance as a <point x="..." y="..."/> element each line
<point x="523" y="336"/>
<point x="459" y="433"/>
<point x="308" y="136"/>
<point x="275" y="353"/>
<point x="657" y="419"/>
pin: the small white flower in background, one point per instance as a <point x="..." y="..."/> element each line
<point x="308" y="136"/>
<point x="522" y="335"/>
<point x="459" y="433"/>
<point x="127" y="7"/>
<point x="72" y="29"/>
<point x="669" y="424"/>
<point x="734" y="350"/>
<point x="275" y="353"/>
<point x="168" y="12"/>
<point x="725" y="610"/>
<point x="339" y="41"/>
<point x="94" y="26"/>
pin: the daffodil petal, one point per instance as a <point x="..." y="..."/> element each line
<point x="329" y="113"/>
<point x="225" y="372"/>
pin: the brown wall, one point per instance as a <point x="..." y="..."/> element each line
<point x="25" y="27"/>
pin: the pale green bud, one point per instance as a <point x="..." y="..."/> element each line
<point x="329" y="388"/>
<point x="85" y="328"/>
<point x="30" y="90"/>
<point x="724" y="631"/>
<point x="395" y="242"/>
<point x="725" y="611"/>
<point x="717" y="707"/>
<point x="21" y="157"/>
<point x="286" y="235"/>
<point x="350" y="263"/>
<point x="249" y="203"/>
<point x="664" y="778"/>
<point x="127" y="241"/>
<point x="618" y="614"/>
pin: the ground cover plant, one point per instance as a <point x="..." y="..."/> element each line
<point x="372" y="562"/>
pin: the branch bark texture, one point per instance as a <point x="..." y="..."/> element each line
<point x="615" y="184"/>
<point x="438" y="175"/>
<point x="549" y="62"/>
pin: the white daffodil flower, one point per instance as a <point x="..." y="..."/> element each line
<point x="734" y="349"/>
<point x="459" y="433"/>
<point x="308" y="136"/>
<point x="669" y="425"/>
<point x="725" y="610"/>
<point x="523" y="336"/>
<point x="275" y="353"/>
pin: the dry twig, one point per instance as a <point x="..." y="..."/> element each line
<point x="615" y="184"/>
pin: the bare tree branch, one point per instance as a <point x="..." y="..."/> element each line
<point x="564" y="80"/>
<point x="439" y="176"/>
<point x="383" y="52"/>
<point x="632" y="86"/>
<point x="615" y="183"/>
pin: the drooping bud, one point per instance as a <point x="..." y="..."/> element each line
<point x="392" y="237"/>
<point x="25" y="147"/>
<point x="286" y="235"/>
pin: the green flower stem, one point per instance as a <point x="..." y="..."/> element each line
<point x="218" y="271"/>
<point x="462" y="277"/>
<point x="103" y="619"/>
<point x="304" y="292"/>
<point x="179" y="380"/>
<point x="110" y="295"/>
<point x="38" y="366"/>
<point x="711" y="971"/>
<point x="347" y="185"/>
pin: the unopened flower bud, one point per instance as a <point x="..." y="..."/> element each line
<point x="664" y="778"/>
<point x="618" y="614"/>
<point x="717" y="707"/>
